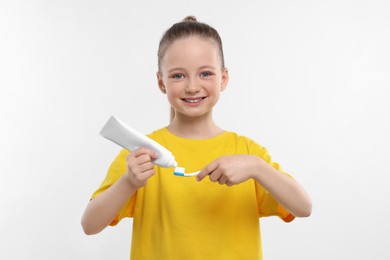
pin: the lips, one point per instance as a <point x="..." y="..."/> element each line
<point x="193" y="100"/>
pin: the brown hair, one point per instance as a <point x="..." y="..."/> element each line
<point x="186" y="28"/>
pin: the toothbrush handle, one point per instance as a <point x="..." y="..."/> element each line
<point x="179" y="173"/>
<point x="191" y="174"/>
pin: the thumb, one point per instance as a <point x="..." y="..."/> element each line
<point x="153" y="155"/>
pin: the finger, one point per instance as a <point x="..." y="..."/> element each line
<point x="142" y="178"/>
<point x="215" y="175"/>
<point x="149" y="173"/>
<point x="229" y="184"/>
<point x="144" y="158"/>
<point x="145" y="167"/>
<point x="207" y="170"/>
<point x="222" y="180"/>
<point x="136" y="161"/>
<point x="143" y="150"/>
<point x="139" y="164"/>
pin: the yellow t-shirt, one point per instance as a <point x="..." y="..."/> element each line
<point x="179" y="218"/>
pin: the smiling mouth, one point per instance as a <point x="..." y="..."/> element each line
<point x="193" y="100"/>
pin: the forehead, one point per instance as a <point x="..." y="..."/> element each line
<point x="191" y="50"/>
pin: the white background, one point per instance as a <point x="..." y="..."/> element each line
<point x="309" y="80"/>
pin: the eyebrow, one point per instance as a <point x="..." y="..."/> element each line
<point x="202" y="67"/>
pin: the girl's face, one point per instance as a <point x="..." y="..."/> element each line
<point x="192" y="77"/>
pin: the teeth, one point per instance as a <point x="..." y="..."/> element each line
<point x="192" y="100"/>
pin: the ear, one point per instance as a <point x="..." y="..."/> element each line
<point x="160" y="83"/>
<point x="224" y="79"/>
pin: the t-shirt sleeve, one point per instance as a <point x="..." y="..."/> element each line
<point x="267" y="204"/>
<point x="116" y="170"/>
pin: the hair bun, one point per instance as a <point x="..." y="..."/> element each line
<point x="190" y="18"/>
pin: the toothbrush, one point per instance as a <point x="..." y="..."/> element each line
<point x="180" y="171"/>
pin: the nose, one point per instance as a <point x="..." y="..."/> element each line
<point x="192" y="86"/>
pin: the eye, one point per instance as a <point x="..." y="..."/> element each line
<point x="178" y="76"/>
<point x="205" y="74"/>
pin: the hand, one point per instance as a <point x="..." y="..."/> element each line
<point x="231" y="170"/>
<point x="140" y="166"/>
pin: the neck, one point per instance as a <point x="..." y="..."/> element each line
<point x="194" y="128"/>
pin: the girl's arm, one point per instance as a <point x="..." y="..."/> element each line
<point x="284" y="189"/>
<point x="100" y="211"/>
<point x="235" y="169"/>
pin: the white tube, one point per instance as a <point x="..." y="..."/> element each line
<point x="130" y="139"/>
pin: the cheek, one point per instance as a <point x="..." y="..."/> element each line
<point x="171" y="95"/>
<point x="217" y="95"/>
<point x="173" y="90"/>
<point x="213" y="87"/>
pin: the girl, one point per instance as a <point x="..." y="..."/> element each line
<point x="183" y="217"/>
